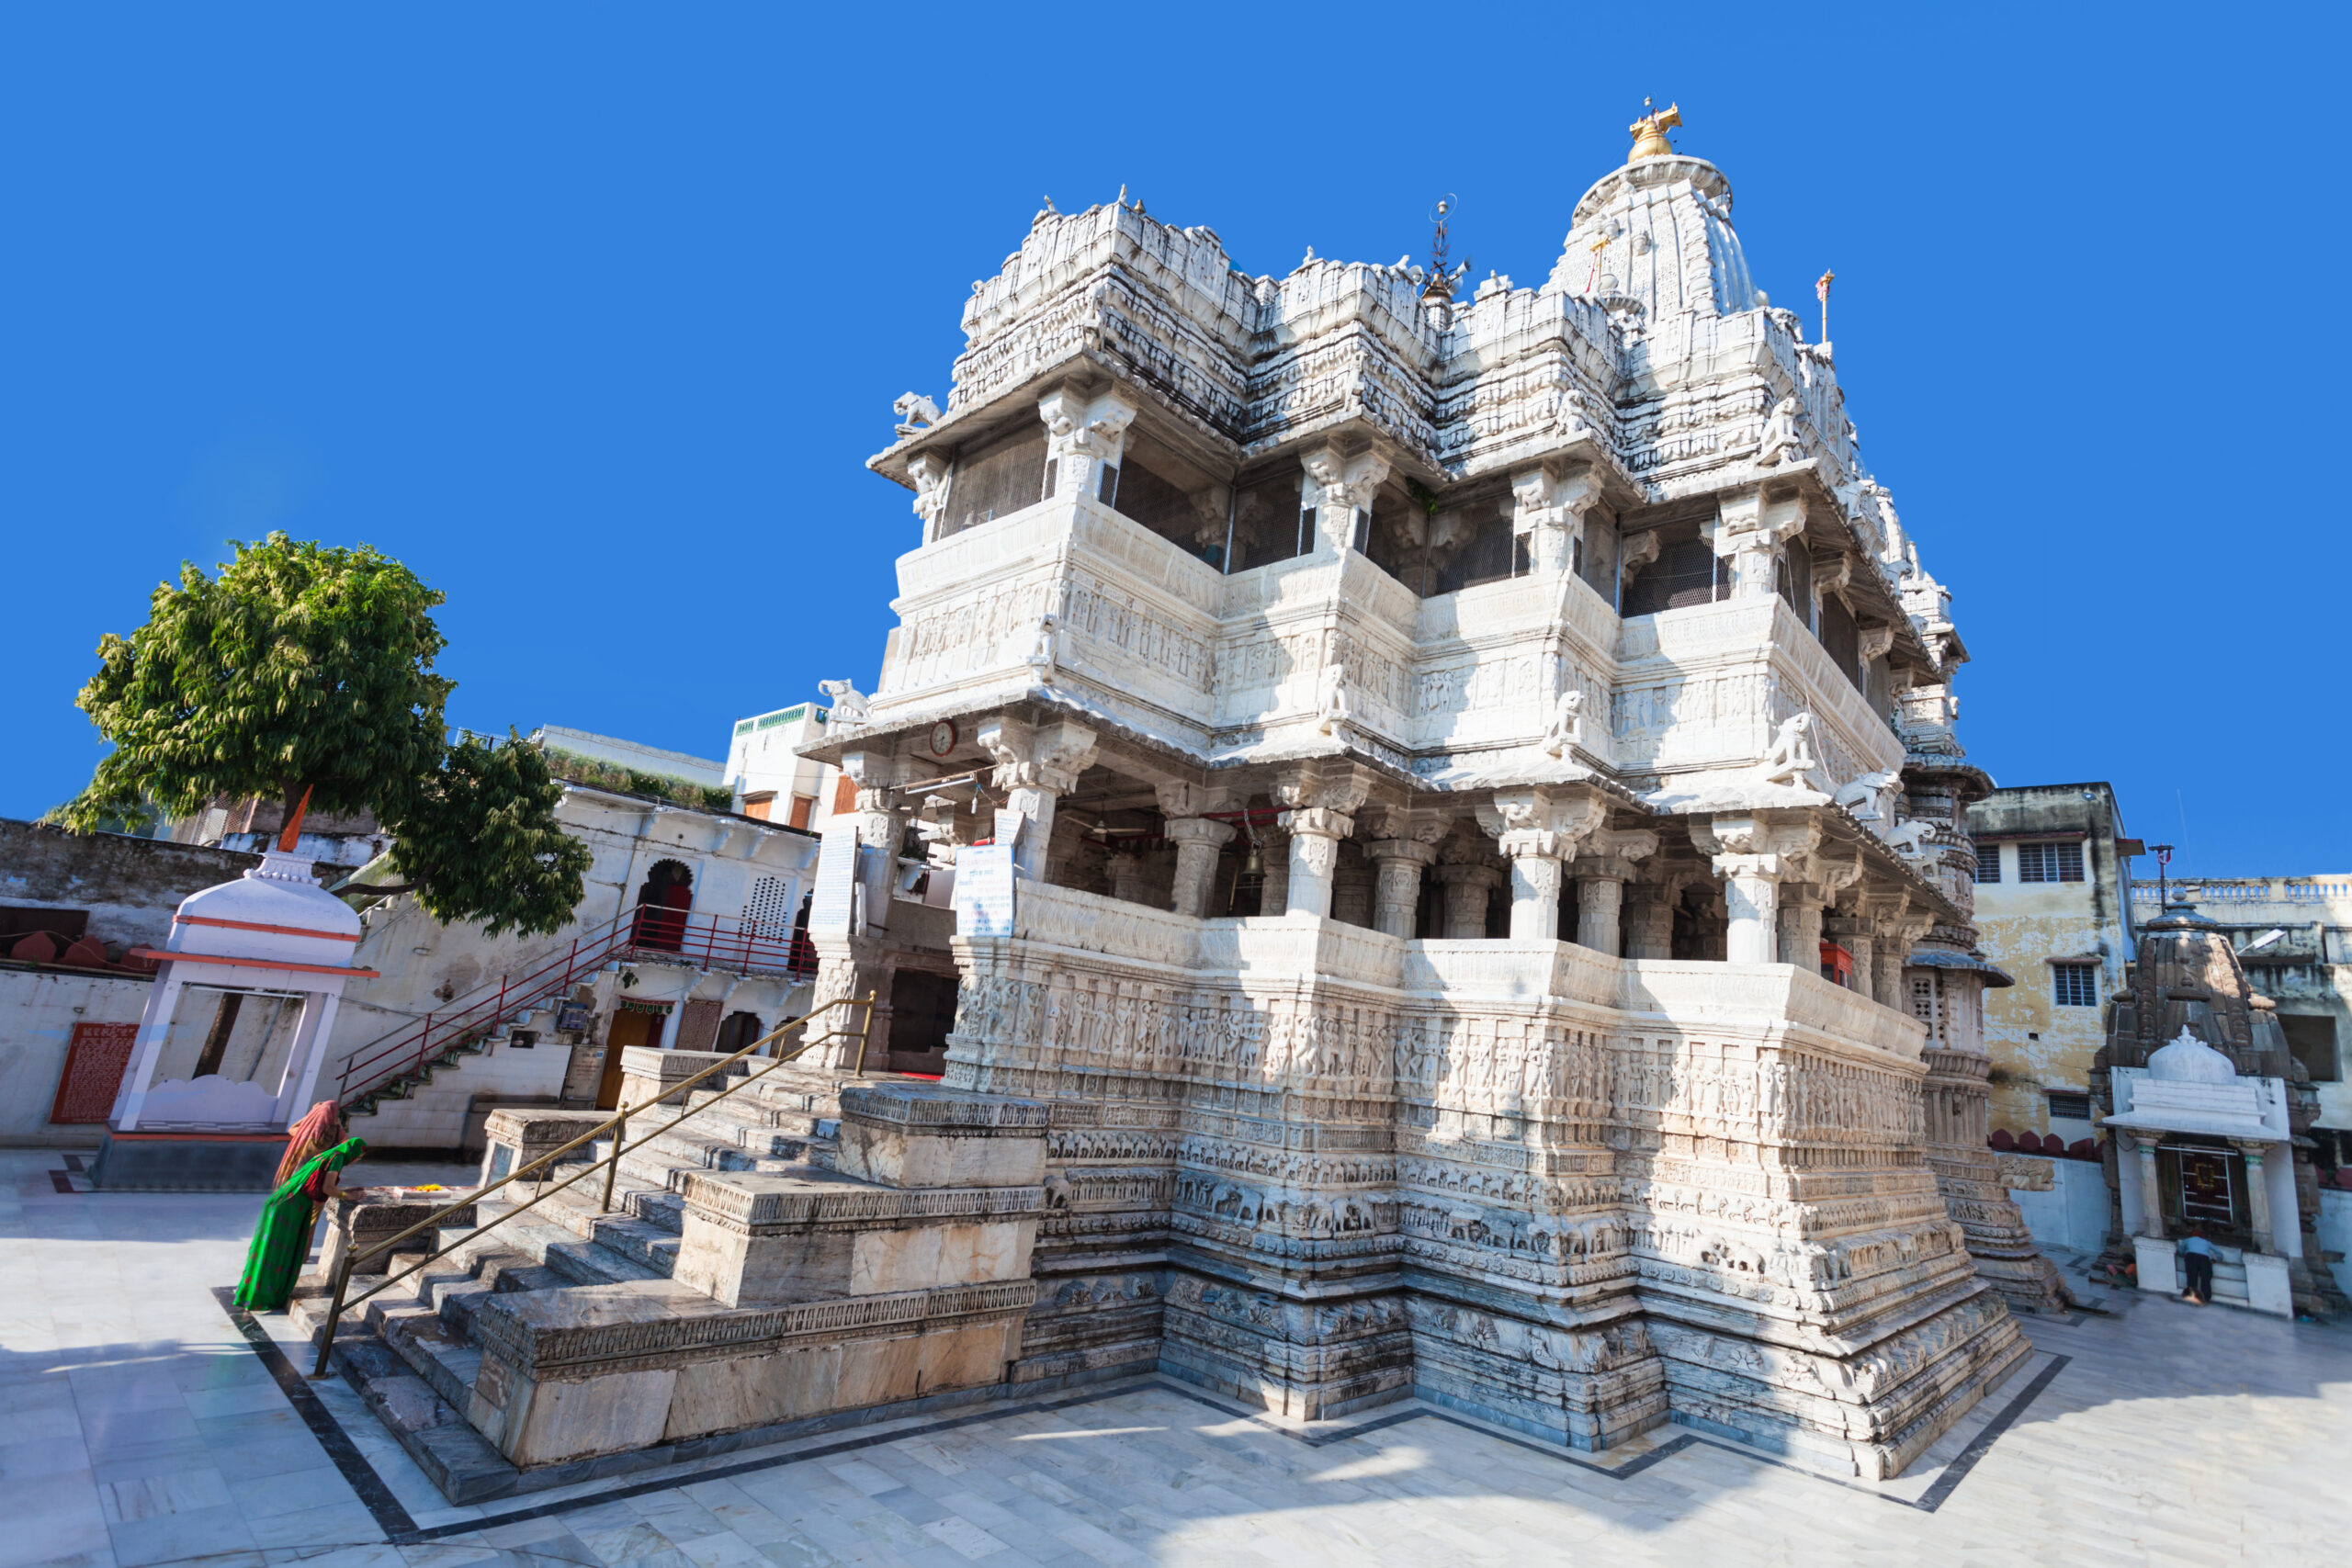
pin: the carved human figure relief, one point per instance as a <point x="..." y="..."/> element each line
<point x="1791" y="760"/>
<point x="1041" y="646"/>
<point x="849" y="704"/>
<point x="915" y="412"/>
<point x="1567" y="727"/>
<point x="1780" y="438"/>
<point x="1333" y="706"/>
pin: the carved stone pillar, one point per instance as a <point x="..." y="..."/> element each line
<point x="1854" y="934"/>
<point x="1314" y="835"/>
<point x="1754" y="854"/>
<point x="1083" y="437"/>
<point x="1351" y="887"/>
<point x="1127" y="877"/>
<point x="1649" y="918"/>
<point x="1397" y="864"/>
<point x="1198" y="841"/>
<point x="1896" y="928"/>
<point x="1337" y="489"/>
<point x="1547" y="510"/>
<point x="1273" y="856"/>
<point x="880" y="828"/>
<point x="2152" y="1192"/>
<point x="1036" y="767"/>
<point x="2258" y="1192"/>
<point x="1749" y="535"/>
<point x="1538" y="829"/>
<point x="1322" y="802"/>
<point x="1468" y="887"/>
<point x="1602" y="869"/>
<point x="1801" y="907"/>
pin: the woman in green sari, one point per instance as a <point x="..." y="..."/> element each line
<point x="281" y="1242"/>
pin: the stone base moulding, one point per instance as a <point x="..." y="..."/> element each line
<point x="186" y="1162"/>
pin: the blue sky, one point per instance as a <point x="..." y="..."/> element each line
<point x="592" y="314"/>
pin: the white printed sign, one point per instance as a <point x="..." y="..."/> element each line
<point x="984" y="890"/>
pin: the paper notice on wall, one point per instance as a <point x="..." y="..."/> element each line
<point x="832" y="906"/>
<point x="984" y="890"/>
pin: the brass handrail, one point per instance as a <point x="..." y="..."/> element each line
<point x="621" y="1145"/>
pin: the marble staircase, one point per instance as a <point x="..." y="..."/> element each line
<point x="802" y="1252"/>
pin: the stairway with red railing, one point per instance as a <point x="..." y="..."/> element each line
<point x="387" y="1068"/>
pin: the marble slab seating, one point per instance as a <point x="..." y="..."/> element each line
<point x="804" y="1248"/>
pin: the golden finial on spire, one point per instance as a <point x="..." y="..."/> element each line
<point x="1649" y="132"/>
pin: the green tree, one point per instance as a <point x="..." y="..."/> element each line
<point x="479" y="840"/>
<point x="305" y="674"/>
<point x="299" y="670"/>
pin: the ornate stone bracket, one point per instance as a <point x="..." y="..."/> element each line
<point x="1083" y="437"/>
<point x="1548" y="511"/>
<point x="1034" y="768"/>
<point x="1337" y="489"/>
<point x="1750" y="533"/>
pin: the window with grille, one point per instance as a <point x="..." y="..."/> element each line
<point x="1988" y="862"/>
<point x="1923" y="1003"/>
<point x="2051" y="862"/>
<point x="2076" y="985"/>
<point x="768" y="912"/>
<point x="1841" y="638"/>
<point x="2065" y="1105"/>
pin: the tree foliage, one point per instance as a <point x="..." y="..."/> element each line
<point x="303" y="669"/>
<point x="300" y="667"/>
<point x="479" y="839"/>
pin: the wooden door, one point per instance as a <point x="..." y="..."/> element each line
<point x="627" y="1029"/>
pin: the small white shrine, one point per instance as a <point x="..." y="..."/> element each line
<point x="273" y="931"/>
<point x="2244" y="1155"/>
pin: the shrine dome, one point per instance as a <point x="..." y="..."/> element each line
<point x="276" y="912"/>
<point x="1657" y="233"/>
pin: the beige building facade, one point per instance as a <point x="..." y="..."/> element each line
<point x="2052" y="909"/>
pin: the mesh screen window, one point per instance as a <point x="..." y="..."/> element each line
<point x="2076" y="985"/>
<point x="2049" y="863"/>
<point x="1988" y="862"/>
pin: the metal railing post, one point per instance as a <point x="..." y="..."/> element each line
<point x="612" y="1167"/>
<point x="536" y="1171"/>
<point x="334" y="1311"/>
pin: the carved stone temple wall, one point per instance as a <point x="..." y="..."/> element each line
<point x="1465" y="757"/>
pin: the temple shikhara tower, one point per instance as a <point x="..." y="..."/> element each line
<point x="1489" y="910"/>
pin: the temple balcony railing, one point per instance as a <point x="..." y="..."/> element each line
<point x="1708" y="685"/>
<point x="1758" y="1002"/>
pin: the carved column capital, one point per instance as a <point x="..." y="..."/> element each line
<point x="1317" y="822"/>
<point x="1050" y="758"/>
<point x="1336" y="487"/>
<point x="1343" y="788"/>
<point x="1749" y="531"/>
<point x="1083" y="436"/>
<point x="1755" y="845"/>
<point x="1181" y="830"/>
<point x="928" y="471"/>
<point x="1610" y="853"/>
<point x="1412" y="851"/>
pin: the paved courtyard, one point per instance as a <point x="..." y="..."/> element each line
<point x="139" y="1425"/>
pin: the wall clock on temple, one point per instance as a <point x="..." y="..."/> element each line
<point x="942" y="738"/>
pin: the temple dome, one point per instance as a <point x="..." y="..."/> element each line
<point x="2189" y="1060"/>
<point x="277" y="910"/>
<point x="1663" y="228"/>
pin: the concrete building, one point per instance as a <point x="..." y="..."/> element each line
<point x="773" y="778"/>
<point x="2052" y="909"/>
<point x="620" y="753"/>
<point x="2293" y="935"/>
<point x="687" y="936"/>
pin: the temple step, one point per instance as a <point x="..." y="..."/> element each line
<point x="430" y="1428"/>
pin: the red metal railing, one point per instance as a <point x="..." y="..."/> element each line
<point x="653" y="933"/>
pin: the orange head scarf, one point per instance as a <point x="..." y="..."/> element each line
<point x="322" y="1128"/>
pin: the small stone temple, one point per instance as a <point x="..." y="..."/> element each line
<point x="1435" y="814"/>
<point x="1491" y="914"/>
<point x="2208" y="1113"/>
